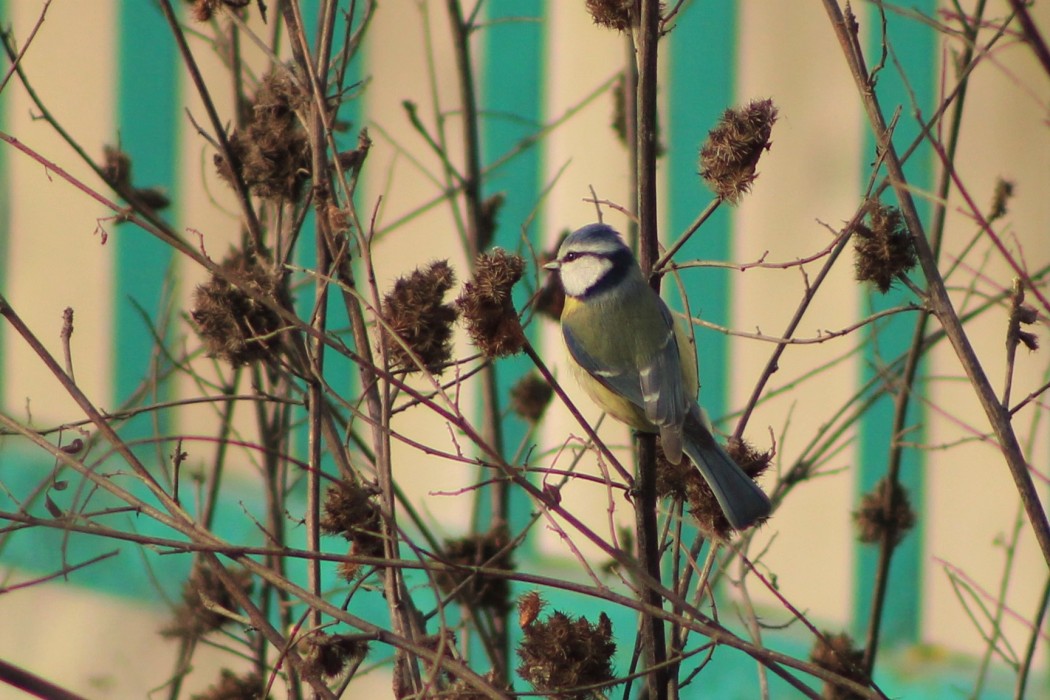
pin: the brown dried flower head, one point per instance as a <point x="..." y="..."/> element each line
<point x="419" y="321"/>
<point x="486" y="305"/>
<point x="614" y="14"/>
<point x="530" y="396"/>
<point x="882" y="248"/>
<point x="873" y="520"/>
<point x="235" y="687"/>
<point x="683" y="481"/>
<point x="231" y="319"/>
<point x="351" y="510"/>
<point x="203" y="598"/>
<point x="559" y="654"/>
<point x="329" y="655"/>
<point x="835" y="652"/>
<point x="489" y="550"/>
<point x="272" y="148"/>
<point x="731" y="152"/>
<point x="204" y="10"/>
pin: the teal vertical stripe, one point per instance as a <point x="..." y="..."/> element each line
<point x="511" y="82"/>
<point x="702" y="61"/>
<point x="915" y="45"/>
<point x="147" y="114"/>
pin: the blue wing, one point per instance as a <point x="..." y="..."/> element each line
<point x="653" y="383"/>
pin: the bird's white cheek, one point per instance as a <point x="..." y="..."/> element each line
<point x="580" y="275"/>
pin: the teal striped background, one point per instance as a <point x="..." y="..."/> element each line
<point x="702" y="63"/>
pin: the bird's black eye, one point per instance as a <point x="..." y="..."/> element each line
<point x="570" y="256"/>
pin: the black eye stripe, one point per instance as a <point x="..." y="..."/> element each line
<point x="577" y="254"/>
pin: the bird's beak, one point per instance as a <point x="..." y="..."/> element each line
<point x="552" y="265"/>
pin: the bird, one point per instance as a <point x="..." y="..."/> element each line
<point x="629" y="356"/>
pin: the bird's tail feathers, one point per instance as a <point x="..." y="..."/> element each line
<point x="741" y="499"/>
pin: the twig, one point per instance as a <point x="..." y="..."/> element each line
<point x="250" y="217"/>
<point x="940" y="302"/>
<point x="16" y="60"/>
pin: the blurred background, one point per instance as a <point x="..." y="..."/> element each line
<point x="969" y="582"/>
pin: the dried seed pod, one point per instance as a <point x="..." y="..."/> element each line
<point x="329" y="655"/>
<point x="835" y="652"/>
<point x="730" y="154"/>
<point x="203" y="598"/>
<point x="530" y="396"/>
<point x="489" y="549"/>
<point x="486" y="305"/>
<point x="272" y="149"/>
<point x="231" y="318"/>
<point x="559" y="654"/>
<point x="873" y="522"/>
<point x="882" y="248"/>
<point x="351" y="510"/>
<point x="418" y="322"/>
<point x="232" y="686"/>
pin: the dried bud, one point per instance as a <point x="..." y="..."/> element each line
<point x="730" y="154"/>
<point x="1027" y="314"/>
<point x="614" y="14"/>
<point x="1004" y="191"/>
<point x="530" y="396"/>
<point x="154" y="198"/>
<point x="351" y="161"/>
<point x="116" y="166"/>
<point x="234" y="323"/>
<point x="883" y="248"/>
<point x="1021" y="313"/>
<point x="351" y="510"/>
<point x="529" y="607"/>
<point x="329" y="655"/>
<point x="683" y="480"/>
<point x="835" y="653"/>
<point x="272" y="149"/>
<point x="486" y="305"/>
<point x="234" y="687"/>
<point x="116" y="169"/>
<point x="885" y="510"/>
<point x="419" y="321"/>
<point x="489" y="550"/>
<point x="559" y="654"/>
<point x="204" y="597"/>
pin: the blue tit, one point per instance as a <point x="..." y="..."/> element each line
<point x="626" y="352"/>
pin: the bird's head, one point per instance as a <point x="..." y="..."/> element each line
<point x="593" y="260"/>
